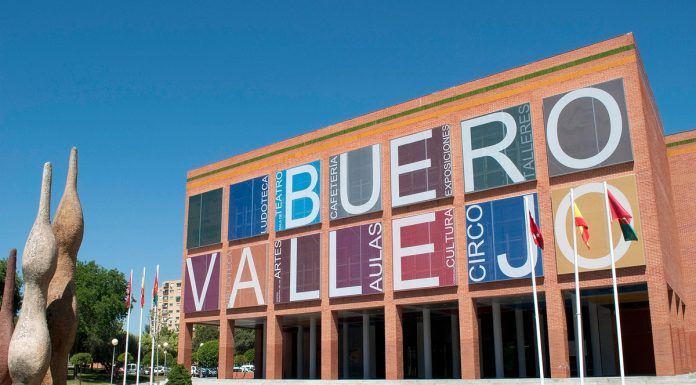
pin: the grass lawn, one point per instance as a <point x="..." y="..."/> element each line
<point x="98" y="378"/>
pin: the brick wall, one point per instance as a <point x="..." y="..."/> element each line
<point x="662" y="247"/>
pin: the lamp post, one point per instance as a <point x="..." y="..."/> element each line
<point x="165" y="345"/>
<point x="114" y="342"/>
<point x="159" y="346"/>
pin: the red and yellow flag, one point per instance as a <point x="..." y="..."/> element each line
<point x="582" y="226"/>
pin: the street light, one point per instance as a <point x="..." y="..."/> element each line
<point x="159" y="346"/>
<point x="165" y="345"/>
<point x="114" y="342"/>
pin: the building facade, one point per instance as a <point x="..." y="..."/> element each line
<point x="169" y="305"/>
<point x="399" y="244"/>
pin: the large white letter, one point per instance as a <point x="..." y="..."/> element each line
<point x="199" y="300"/>
<point x="333" y="290"/>
<point x="294" y="295"/>
<point x="247" y="258"/>
<point x="615" y="128"/>
<point x="376" y="183"/>
<point x="400" y="252"/>
<point x="291" y="195"/>
<point x="494" y="151"/>
<point x="396" y="170"/>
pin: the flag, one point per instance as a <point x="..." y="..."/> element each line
<point x="618" y="213"/>
<point x="536" y="234"/>
<point x="155" y="288"/>
<point x="142" y="291"/>
<point x="582" y="226"/>
<point x="128" y="291"/>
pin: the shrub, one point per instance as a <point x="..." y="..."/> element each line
<point x="178" y="375"/>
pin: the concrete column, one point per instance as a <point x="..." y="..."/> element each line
<point x="274" y="348"/>
<point x="329" y="345"/>
<point x="469" y="340"/>
<point x="578" y="348"/>
<point x="259" y="339"/>
<point x="427" y="344"/>
<point x="521" y="353"/>
<point x="393" y="342"/>
<point x="344" y="349"/>
<point x="607" y="342"/>
<point x="594" y="338"/>
<point x="313" y="348"/>
<point x="226" y="349"/>
<point x="541" y="345"/>
<point x="300" y="351"/>
<point x="454" y="333"/>
<point x="366" y="345"/>
<point x="498" y="341"/>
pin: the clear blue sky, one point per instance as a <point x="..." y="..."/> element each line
<point x="148" y="91"/>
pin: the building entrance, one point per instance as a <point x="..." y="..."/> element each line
<point x="507" y="335"/>
<point x="361" y="344"/>
<point x="431" y="341"/>
<point x="301" y="346"/>
<point x="599" y="331"/>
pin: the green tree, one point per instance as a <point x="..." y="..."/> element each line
<point x="18" y="285"/>
<point x="203" y="334"/>
<point x="81" y="361"/>
<point x="239" y="359"/>
<point x="208" y="354"/>
<point x="179" y="376"/>
<point x="244" y="339"/>
<point x="121" y="356"/>
<point x="250" y="355"/>
<point x="170" y="337"/>
<point x="101" y="309"/>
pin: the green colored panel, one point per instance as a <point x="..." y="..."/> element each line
<point x="193" y="235"/>
<point x="211" y="217"/>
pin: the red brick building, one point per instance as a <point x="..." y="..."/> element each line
<point x="397" y="244"/>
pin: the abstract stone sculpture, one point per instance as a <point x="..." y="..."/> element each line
<point x="30" y="347"/>
<point x="7" y="316"/>
<point x="61" y="312"/>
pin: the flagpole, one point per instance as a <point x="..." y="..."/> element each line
<point x="125" y="355"/>
<point x="578" y="309"/>
<point x="140" y="330"/>
<point x="614" y="284"/>
<point x="531" y="257"/>
<point x="152" y="330"/>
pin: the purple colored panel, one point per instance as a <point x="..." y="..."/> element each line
<point x="436" y="180"/>
<point x="357" y="260"/>
<point x="202" y="283"/>
<point x="307" y="251"/>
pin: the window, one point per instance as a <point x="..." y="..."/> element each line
<point x="204" y="219"/>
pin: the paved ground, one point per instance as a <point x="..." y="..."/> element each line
<point x="675" y="380"/>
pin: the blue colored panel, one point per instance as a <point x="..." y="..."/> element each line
<point x="498" y="240"/>
<point x="297" y="201"/>
<point x="248" y="215"/>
